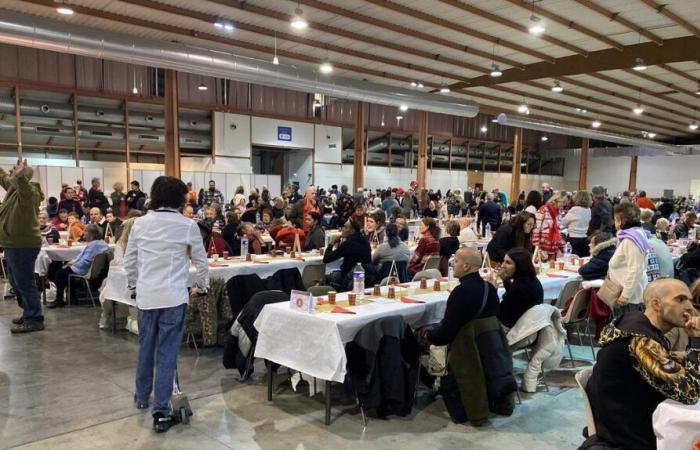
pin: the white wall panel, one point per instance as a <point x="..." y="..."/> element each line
<point x="265" y="132"/>
<point x="231" y="135"/>
<point x="329" y="143"/>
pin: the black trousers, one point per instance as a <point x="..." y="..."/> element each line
<point x="579" y="246"/>
<point x="60" y="277"/>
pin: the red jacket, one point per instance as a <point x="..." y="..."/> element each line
<point x="284" y="236"/>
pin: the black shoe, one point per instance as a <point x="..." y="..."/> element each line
<point x="27" y="327"/>
<point x="56" y="305"/>
<point x="141" y="404"/>
<point x="18" y="321"/>
<point x="162" y="423"/>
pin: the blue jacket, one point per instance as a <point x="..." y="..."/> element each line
<point x="597" y="267"/>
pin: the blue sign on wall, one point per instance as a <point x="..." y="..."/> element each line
<point x="284" y="134"/>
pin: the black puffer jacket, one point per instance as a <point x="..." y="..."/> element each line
<point x="597" y="267"/>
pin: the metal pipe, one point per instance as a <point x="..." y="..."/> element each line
<point x="36" y="32"/>
<point x="549" y="127"/>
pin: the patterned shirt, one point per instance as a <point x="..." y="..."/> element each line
<point x="210" y="197"/>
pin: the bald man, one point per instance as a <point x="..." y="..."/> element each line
<point x="465" y="303"/>
<point x="636" y="371"/>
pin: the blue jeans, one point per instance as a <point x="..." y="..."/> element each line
<point x="20" y="271"/>
<point x="160" y="337"/>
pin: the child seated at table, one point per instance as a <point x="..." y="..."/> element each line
<point x="75" y="227"/>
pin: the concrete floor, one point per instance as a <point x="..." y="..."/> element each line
<point x="71" y="387"/>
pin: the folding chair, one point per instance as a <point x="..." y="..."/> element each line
<point x="427" y="274"/>
<point x="577" y="313"/>
<point x="568" y="291"/>
<point x="313" y="275"/>
<point x="433" y="262"/>
<point x="98" y="265"/>
<point x="582" y="378"/>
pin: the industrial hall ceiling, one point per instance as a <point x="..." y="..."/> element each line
<point x="623" y="66"/>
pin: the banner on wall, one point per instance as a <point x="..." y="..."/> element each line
<point x="284" y="134"/>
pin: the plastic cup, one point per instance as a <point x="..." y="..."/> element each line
<point x="248" y="257"/>
<point x="215" y="257"/>
<point x="392" y="292"/>
<point x="225" y="254"/>
<point x="331" y="297"/>
<point x="49" y="240"/>
<point x="560" y="265"/>
<point x="423" y="283"/>
<point x="436" y="285"/>
<point x="352" y="299"/>
<point x="377" y="290"/>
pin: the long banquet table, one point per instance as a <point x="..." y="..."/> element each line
<point x="676" y="426"/>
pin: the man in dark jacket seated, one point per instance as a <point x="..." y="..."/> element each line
<point x="474" y="384"/>
<point x="353" y="248"/>
<point x="636" y="370"/>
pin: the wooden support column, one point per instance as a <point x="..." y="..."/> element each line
<point x="18" y="125"/>
<point x="76" y="130"/>
<point x="583" y="165"/>
<point x="633" y="175"/>
<point x="422" y="150"/>
<point x="517" y="156"/>
<point x="358" y="168"/>
<point x="172" y="134"/>
<point x="389" y="147"/>
<point x="127" y="145"/>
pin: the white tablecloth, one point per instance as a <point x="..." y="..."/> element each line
<point x="116" y="290"/>
<point x="677" y="426"/>
<point x="56" y="253"/>
<point x="315" y="343"/>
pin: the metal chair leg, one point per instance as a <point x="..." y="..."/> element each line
<point x="571" y="355"/>
<point x="517" y="395"/>
<point x="269" y="381"/>
<point x="92" y="299"/>
<point x="328" y="402"/>
<point x="590" y="337"/>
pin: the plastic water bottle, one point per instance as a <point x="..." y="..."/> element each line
<point x="487" y="230"/>
<point x="358" y="280"/>
<point x="257" y="217"/>
<point x="327" y="239"/>
<point x="567" y="253"/>
<point x="451" y="269"/>
<point x="244" y="247"/>
<point x="411" y="234"/>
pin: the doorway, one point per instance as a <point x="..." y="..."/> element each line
<point x="292" y="165"/>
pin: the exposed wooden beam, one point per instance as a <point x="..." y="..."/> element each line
<point x="172" y="132"/>
<point x="680" y="73"/>
<point x="422" y="150"/>
<point x="513" y="25"/>
<point x="647" y="92"/>
<point x="408" y="32"/>
<point x="598" y="112"/>
<point x="663" y="9"/>
<point x="673" y="50"/>
<point x="418" y="14"/>
<point x="666" y="84"/>
<point x="530" y="6"/>
<point x="282" y="36"/>
<point x="616" y="17"/>
<point x="632" y="186"/>
<point x="617" y="94"/>
<point x="365" y="37"/>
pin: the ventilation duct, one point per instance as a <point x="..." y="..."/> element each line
<point x="35" y="32"/>
<point x="642" y="144"/>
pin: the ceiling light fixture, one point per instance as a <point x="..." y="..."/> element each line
<point x="414" y="84"/>
<point x="326" y="67"/>
<point x="581" y="110"/>
<point x="495" y="71"/>
<point x="399" y="117"/>
<point x="651" y="135"/>
<point x="223" y="25"/>
<point x="536" y="26"/>
<point x="638" y="109"/>
<point x="134" y="90"/>
<point x="298" y="21"/>
<point x="694" y="126"/>
<point x="596" y="124"/>
<point x="557" y="87"/>
<point x="403" y="108"/>
<point x="523" y="109"/>
<point x="64" y="9"/>
<point x="444" y="89"/>
<point x="275" y="59"/>
<point x="202" y="87"/>
<point x="698" y="91"/>
<point x="639" y="65"/>
<point x="544" y="138"/>
<point x="484" y="129"/>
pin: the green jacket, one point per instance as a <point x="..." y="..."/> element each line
<point x="465" y="364"/>
<point x="19" y="225"/>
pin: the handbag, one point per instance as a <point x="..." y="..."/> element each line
<point x="436" y="363"/>
<point x="610" y="292"/>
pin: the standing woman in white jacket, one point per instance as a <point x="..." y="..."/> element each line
<point x="576" y="223"/>
<point x="628" y="265"/>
